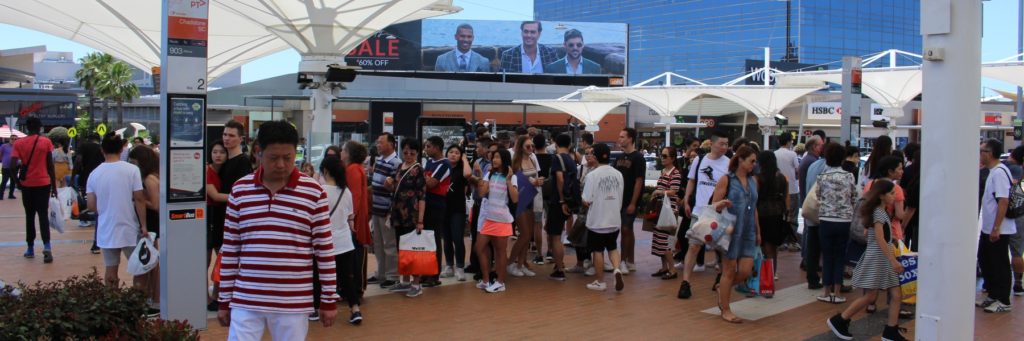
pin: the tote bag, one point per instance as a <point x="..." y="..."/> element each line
<point x="417" y="254"/>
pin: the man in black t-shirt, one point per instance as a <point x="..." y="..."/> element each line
<point x="238" y="164"/>
<point x="633" y="167"/>
<point x="563" y="171"/>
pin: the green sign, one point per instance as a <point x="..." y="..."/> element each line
<point x="1018" y="130"/>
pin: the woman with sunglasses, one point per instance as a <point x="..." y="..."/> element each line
<point x="669" y="184"/>
<point x="737" y="192"/>
<point x="523" y="161"/>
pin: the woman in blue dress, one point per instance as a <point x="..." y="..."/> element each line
<point x="738" y="192"/>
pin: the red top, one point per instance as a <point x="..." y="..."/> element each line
<point x="270" y="240"/>
<point x="37" y="175"/>
<point x="212" y="179"/>
<point x="355" y="180"/>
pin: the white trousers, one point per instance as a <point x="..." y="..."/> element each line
<point x="248" y="325"/>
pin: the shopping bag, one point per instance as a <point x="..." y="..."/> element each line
<point x="56" y="215"/>
<point x="68" y="197"/>
<point x="215" y="275"/>
<point x="767" y="284"/>
<point x="417" y="254"/>
<point x="908" y="279"/>
<point x="754" y="282"/>
<point x="708" y="222"/>
<point x="578" y="234"/>
<point x="667" y="220"/>
<point x="145" y="257"/>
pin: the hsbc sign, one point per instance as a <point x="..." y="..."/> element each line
<point x="833" y="111"/>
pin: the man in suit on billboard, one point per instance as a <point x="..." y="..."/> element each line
<point x="573" y="63"/>
<point x="530" y="57"/>
<point x="462" y="58"/>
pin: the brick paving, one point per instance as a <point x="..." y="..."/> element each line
<point x="532" y="308"/>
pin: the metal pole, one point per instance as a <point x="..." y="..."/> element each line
<point x="743" y="131"/>
<point x="767" y="64"/>
<point x="1020" y="50"/>
<point x="947" y="255"/>
<point x="803" y="117"/>
<point x="700" y="110"/>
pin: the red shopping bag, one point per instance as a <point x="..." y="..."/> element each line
<point x="417" y="254"/>
<point x="215" y="275"/>
<point x="767" y="285"/>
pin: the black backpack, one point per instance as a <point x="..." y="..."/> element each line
<point x="570" y="186"/>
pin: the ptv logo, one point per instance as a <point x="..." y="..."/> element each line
<point x="198" y="3"/>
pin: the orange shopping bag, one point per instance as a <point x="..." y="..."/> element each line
<point x="215" y="275"/>
<point x="417" y="254"/>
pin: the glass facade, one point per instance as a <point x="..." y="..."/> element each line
<point x="710" y="40"/>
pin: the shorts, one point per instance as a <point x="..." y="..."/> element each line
<point x="555" y="223"/>
<point x="111" y="257"/>
<point x="600" y="242"/>
<point x="1016" y="242"/>
<point x="627" y="219"/>
<point x="496" y="229"/>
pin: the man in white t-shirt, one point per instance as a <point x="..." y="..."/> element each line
<point x="788" y="164"/>
<point x="703" y="177"/>
<point x="602" y="195"/>
<point x="993" y="245"/>
<point x="114" y="192"/>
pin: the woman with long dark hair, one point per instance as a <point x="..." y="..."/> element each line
<point x="738" y="193"/>
<point x="772" y="205"/>
<point x="522" y="162"/>
<point x="346" y="247"/>
<point x="216" y="205"/>
<point x="498" y="190"/>
<point x="149" y="169"/>
<point x="881" y="149"/>
<point x="454" y="230"/>
<point x="669" y="184"/>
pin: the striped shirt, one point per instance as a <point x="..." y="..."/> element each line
<point x="385" y="167"/>
<point x="269" y="243"/>
<point x="441" y="171"/>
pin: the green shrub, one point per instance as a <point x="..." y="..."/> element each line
<point x="82" y="308"/>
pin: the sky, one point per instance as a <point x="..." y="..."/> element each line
<point x="999" y="39"/>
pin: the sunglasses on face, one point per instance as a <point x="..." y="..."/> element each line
<point x="574" y="44"/>
<point x="664" y="156"/>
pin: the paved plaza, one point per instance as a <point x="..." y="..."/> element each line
<point x="536" y="308"/>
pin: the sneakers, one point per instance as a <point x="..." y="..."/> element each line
<point x="588" y="263"/>
<point x="30" y="253"/>
<point x="623" y="268"/>
<point x="460" y="275"/>
<point x="684" y="291"/>
<point x="538" y="260"/>
<point x="619" y="284"/>
<point x="314" y="316"/>
<point x="400" y="287"/>
<point x="526" y="271"/>
<point x="1018" y="290"/>
<point x="496" y="287"/>
<point x="630" y="266"/>
<point x="47" y="256"/>
<point x="356" y="318"/>
<point x="576" y="270"/>
<point x="608" y="267"/>
<point x="513" y="269"/>
<point x="95" y="250"/>
<point x="152" y="313"/>
<point x="549" y="256"/>
<point x="448" y="272"/>
<point x="414" y="291"/>
<point x="430" y="282"/>
<point x="481" y="285"/>
<point x="387" y="284"/>
<point x="984" y="303"/>
<point x="699" y="268"/>
<point x="597" y="286"/>
<point x="679" y="265"/>
<point x="558" y="275"/>
<point x="590" y="271"/>
<point x="892" y="333"/>
<point x="997" y="307"/>
<point x="840" y="327"/>
<point x="373" y="280"/>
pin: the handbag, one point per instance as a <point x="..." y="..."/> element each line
<point x="667" y="220"/>
<point x="858" y="229"/>
<point x="145" y="257"/>
<point x="653" y="209"/>
<point x="578" y="234"/>
<point x="55" y="212"/>
<point x="23" y="171"/>
<point x="809" y="210"/>
<point x="767" y="284"/>
<point x="417" y="254"/>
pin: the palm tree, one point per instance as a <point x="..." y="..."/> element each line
<point x="89" y="76"/>
<point x="116" y="85"/>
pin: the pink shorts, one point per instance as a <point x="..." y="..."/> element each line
<point x="496" y="229"/>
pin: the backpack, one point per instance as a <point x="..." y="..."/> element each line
<point x="1015" y="209"/>
<point x="570" y="186"/>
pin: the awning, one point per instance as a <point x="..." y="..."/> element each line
<point x="892" y="88"/>
<point x="1010" y="72"/>
<point x="666" y="99"/>
<point x="589" y="109"/>
<point x="762" y="101"/>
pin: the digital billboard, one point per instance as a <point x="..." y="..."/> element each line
<point x="491" y="46"/>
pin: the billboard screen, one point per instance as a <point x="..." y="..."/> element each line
<point x="445" y="45"/>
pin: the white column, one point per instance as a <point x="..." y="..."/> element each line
<point x="949" y="244"/>
<point x="319" y="129"/>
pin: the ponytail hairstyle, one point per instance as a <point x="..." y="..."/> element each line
<point x="332" y="165"/>
<point x="873" y="200"/>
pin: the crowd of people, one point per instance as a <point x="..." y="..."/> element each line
<point x="310" y="229"/>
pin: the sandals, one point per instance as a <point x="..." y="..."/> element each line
<point x="906" y="314"/>
<point x="718" y="279"/>
<point x="735" y="319"/>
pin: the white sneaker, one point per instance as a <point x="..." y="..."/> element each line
<point x="984" y="302"/>
<point x="998" y="307"/>
<point x="590" y="271"/>
<point x="481" y="285"/>
<point x="496" y="287"/>
<point x="526" y="271"/>
<point x="448" y="272"/>
<point x="630" y="266"/>
<point x="587" y="263"/>
<point x="623" y="268"/>
<point x="513" y="269"/>
<point x="680" y="265"/>
<point x="699" y="268"/>
<point x="460" y="275"/>
<point x="598" y="286"/>
<point x="608" y="267"/>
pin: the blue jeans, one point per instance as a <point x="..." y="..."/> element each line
<point x="834" y="237"/>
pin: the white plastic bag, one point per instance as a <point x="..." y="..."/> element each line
<point x="667" y="221"/>
<point x="56" y="215"/>
<point x="67" y="197"/>
<point x="145" y="257"/>
<point x="713" y="228"/>
<point x="417" y="254"/>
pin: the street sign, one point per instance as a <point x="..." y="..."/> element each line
<point x="101" y="129"/>
<point x="72" y="132"/>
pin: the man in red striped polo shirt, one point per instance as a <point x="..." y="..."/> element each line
<point x="276" y="223"/>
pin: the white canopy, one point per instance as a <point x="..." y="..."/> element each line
<point x="589" y="109"/>
<point x="332" y="27"/>
<point x="666" y="99"/>
<point x="240" y="30"/>
<point x="892" y="88"/>
<point x="1010" y="72"/>
<point x="763" y="101"/>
